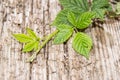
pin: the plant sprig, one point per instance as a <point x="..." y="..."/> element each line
<point x="76" y="15"/>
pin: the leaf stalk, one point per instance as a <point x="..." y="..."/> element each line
<point x="49" y="37"/>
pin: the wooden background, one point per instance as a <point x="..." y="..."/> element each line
<point x="55" y="62"/>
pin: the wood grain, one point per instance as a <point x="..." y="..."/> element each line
<point x="54" y="62"/>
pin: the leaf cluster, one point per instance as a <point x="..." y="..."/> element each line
<point x="30" y="40"/>
<point x="77" y="15"/>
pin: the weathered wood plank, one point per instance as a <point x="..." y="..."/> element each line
<point x="56" y="56"/>
<point x="55" y="62"/>
<point x="104" y="61"/>
<point x="39" y="68"/>
<point x="12" y="62"/>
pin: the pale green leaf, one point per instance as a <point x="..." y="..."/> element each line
<point x="85" y="20"/>
<point x="22" y="38"/>
<point x="36" y="46"/>
<point x="76" y="6"/>
<point x="82" y="44"/>
<point x="71" y="18"/>
<point x="29" y="46"/>
<point x="31" y="33"/>
<point x="63" y="35"/>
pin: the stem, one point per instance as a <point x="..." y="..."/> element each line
<point x="75" y="29"/>
<point x="90" y="3"/>
<point x="43" y="44"/>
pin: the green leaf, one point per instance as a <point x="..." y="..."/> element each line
<point x="100" y="13"/>
<point x="31" y="33"/>
<point x="22" y="38"/>
<point x="71" y="18"/>
<point x="82" y="44"/>
<point x="85" y="20"/>
<point x="36" y="46"/>
<point x="29" y="46"/>
<point x="100" y="4"/>
<point x="61" y="18"/>
<point x="76" y="6"/>
<point x="118" y="8"/>
<point x="100" y="7"/>
<point x="63" y="35"/>
<point x="63" y="27"/>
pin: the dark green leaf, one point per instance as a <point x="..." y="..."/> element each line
<point x="99" y="4"/>
<point x="100" y="13"/>
<point x="63" y="35"/>
<point x="61" y="18"/>
<point x="85" y="20"/>
<point x="76" y="6"/>
<point x="82" y="44"/>
<point x="100" y="7"/>
<point x="22" y="38"/>
<point x="29" y="46"/>
<point x="63" y="27"/>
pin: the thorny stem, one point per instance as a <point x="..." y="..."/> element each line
<point x="42" y="45"/>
